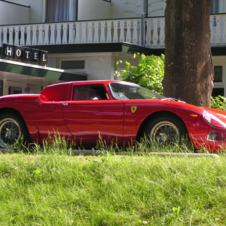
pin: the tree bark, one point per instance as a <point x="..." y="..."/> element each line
<point x="188" y="58"/>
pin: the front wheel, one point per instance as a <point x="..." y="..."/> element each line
<point x="12" y="130"/>
<point x="165" y="130"/>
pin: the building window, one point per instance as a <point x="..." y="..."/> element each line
<point x="215" y="8"/>
<point x="218" y="80"/>
<point x="61" y="10"/>
<point x="218" y="91"/>
<point x="15" y="90"/>
<point x="72" y="64"/>
<point x="218" y="74"/>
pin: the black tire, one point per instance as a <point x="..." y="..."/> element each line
<point x="165" y="129"/>
<point x="12" y="130"/>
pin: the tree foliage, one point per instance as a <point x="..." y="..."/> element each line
<point x="218" y="102"/>
<point x="149" y="73"/>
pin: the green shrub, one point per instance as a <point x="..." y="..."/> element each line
<point x="149" y="73"/>
<point x="218" y="102"/>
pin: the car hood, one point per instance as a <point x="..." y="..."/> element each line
<point x="183" y="105"/>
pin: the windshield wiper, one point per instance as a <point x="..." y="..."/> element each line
<point x="173" y="99"/>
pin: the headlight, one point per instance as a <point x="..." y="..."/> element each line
<point x="213" y="120"/>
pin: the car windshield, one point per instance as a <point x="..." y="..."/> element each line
<point x="126" y="91"/>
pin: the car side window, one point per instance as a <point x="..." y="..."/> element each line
<point x="90" y="93"/>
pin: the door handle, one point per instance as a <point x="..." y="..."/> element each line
<point x="65" y="104"/>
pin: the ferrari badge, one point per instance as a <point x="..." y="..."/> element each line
<point x="133" y="109"/>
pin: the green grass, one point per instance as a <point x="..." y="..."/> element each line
<point x="59" y="189"/>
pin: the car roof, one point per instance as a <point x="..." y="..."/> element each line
<point x="63" y="91"/>
<point x="85" y="82"/>
<point x="90" y="82"/>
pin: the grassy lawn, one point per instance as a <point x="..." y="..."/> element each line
<point x="54" y="189"/>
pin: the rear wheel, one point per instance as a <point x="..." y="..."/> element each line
<point x="12" y="130"/>
<point x="165" y="130"/>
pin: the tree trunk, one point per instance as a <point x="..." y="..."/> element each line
<point x="188" y="58"/>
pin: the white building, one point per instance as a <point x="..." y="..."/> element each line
<point x="85" y="39"/>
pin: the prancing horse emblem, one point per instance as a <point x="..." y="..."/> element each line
<point x="133" y="109"/>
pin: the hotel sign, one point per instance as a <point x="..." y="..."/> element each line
<point x="25" y="54"/>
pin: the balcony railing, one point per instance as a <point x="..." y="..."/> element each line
<point x="104" y="31"/>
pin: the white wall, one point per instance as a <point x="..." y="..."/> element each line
<point x="36" y="9"/>
<point x="98" y="66"/>
<point x="156" y="8"/>
<point x="93" y="9"/>
<point x="52" y="62"/>
<point x="126" y="8"/>
<point x="31" y="88"/>
<point x="134" y="8"/>
<point x="13" y="14"/>
<point x="87" y="10"/>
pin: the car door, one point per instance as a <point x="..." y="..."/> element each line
<point x="91" y="115"/>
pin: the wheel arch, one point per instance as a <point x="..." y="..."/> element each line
<point x="153" y="115"/>
<point x="12" y="111"/>
<point x="15" y="112"/>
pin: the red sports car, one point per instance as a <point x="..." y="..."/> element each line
<point x="118" y="112"/>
